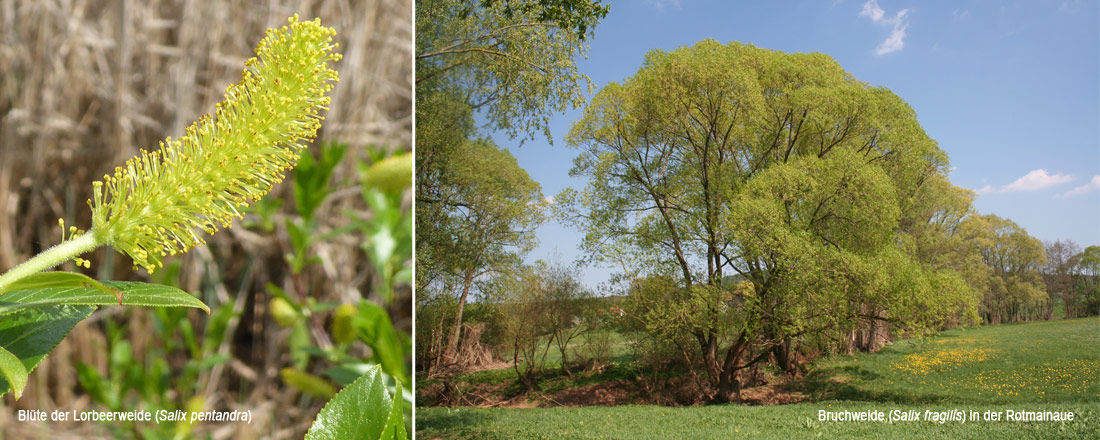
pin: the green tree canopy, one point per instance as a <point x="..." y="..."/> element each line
<point x="1015" y="290"/>
<point x="512" y="63"/>
<point x="1087" y="300"/>
<point x="514" y="60"/>
<point x="492" y="210"/>
<point x="780" y="168"/>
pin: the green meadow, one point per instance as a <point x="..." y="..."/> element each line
<point x="1040" y="366"/>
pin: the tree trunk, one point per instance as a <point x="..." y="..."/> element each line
<point x="729" y="388"/>
<point x="784" y="358"/>
<point x="452" y="342"/>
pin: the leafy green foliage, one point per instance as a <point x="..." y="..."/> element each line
<point x="38" y="302"/>
<point x="1087" y="284"/>
<point x="54" y="280"/>
<point x="521" y="299"/>
<point x="362" y="410"/>
<point x="311" y="178"/>
<point x="158" y="378"/>
<point x="723" y="163"/>
<point x="514" y="61"/>
<point x="373" y="326"/>
<point x="570" y="15"/>
<point x="491" y="208"/>
<point x="1015" y="290"/>
<point x="389" y="234"/>
<point x="30" y="334"/>
<point x="311" y="187"/>
<point x="324" y="337"/>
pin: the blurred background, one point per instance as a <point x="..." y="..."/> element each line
<point x="307" y="291"/>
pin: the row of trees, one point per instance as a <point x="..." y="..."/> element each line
<point x="760" y="204"/>
<point x="511" y="63"/>
<point x="1072" y="278"/>
<point x="760" y="201"/>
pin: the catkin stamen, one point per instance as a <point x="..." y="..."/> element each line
<point x="151" y="206"/>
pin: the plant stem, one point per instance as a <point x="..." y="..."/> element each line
<point x="51" y="257"/>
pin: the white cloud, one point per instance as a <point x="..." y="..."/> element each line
<point x="549" y="200"/>
<point x="1033" y="181"/>
<point x="1093" y="184"/>
<point x="871" y="9"/>
<point x="959" y="15"/>
<point x="897" y="23"/>
<point x="894" y="43"/>
<point x="1037" y="180"/>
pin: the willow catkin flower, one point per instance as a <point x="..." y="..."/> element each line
<point x="161" y="202"/>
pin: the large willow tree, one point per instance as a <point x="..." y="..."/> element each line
<point x="782" y="194"/>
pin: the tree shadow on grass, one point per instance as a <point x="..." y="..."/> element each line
<point x="852" y="383"/>
<point x="455" y="423"/>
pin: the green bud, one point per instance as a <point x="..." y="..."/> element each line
<point x="342" y="330"/>
<point x="283" y="313"/>
<point x="392" y="174"/>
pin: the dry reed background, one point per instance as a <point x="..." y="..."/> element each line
<point x="85" y="84"/>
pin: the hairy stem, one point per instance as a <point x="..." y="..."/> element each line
<point x="52" y="257"/>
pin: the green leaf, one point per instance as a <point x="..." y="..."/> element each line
<point x="377" y="331"/>
<point x="30" y="334"/>
<point x="13" y="371"/>
<point x="311" y="177"/>
<point x="307" y="382"/>
<point x="395" y="424"/>
<point x="346" y="373"/>
<point x="54" y="280"/>
<point x="362" y="410"/>
<point x="298" y="342"/>
<point x="92" y="293"/>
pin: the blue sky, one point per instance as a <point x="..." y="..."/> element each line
<point x="1010" y="90"/>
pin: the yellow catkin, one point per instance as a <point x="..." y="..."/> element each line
<point x="162" y="202"/>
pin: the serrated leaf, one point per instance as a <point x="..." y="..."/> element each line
<point x="30" y="334"/>
<point x="126" y="293"/>
<point x="395" y="424"/>
<point x="359" y="411"/>
<point x="13" y="371"/>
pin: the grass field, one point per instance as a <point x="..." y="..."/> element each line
<point x="1052" y="366"/>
